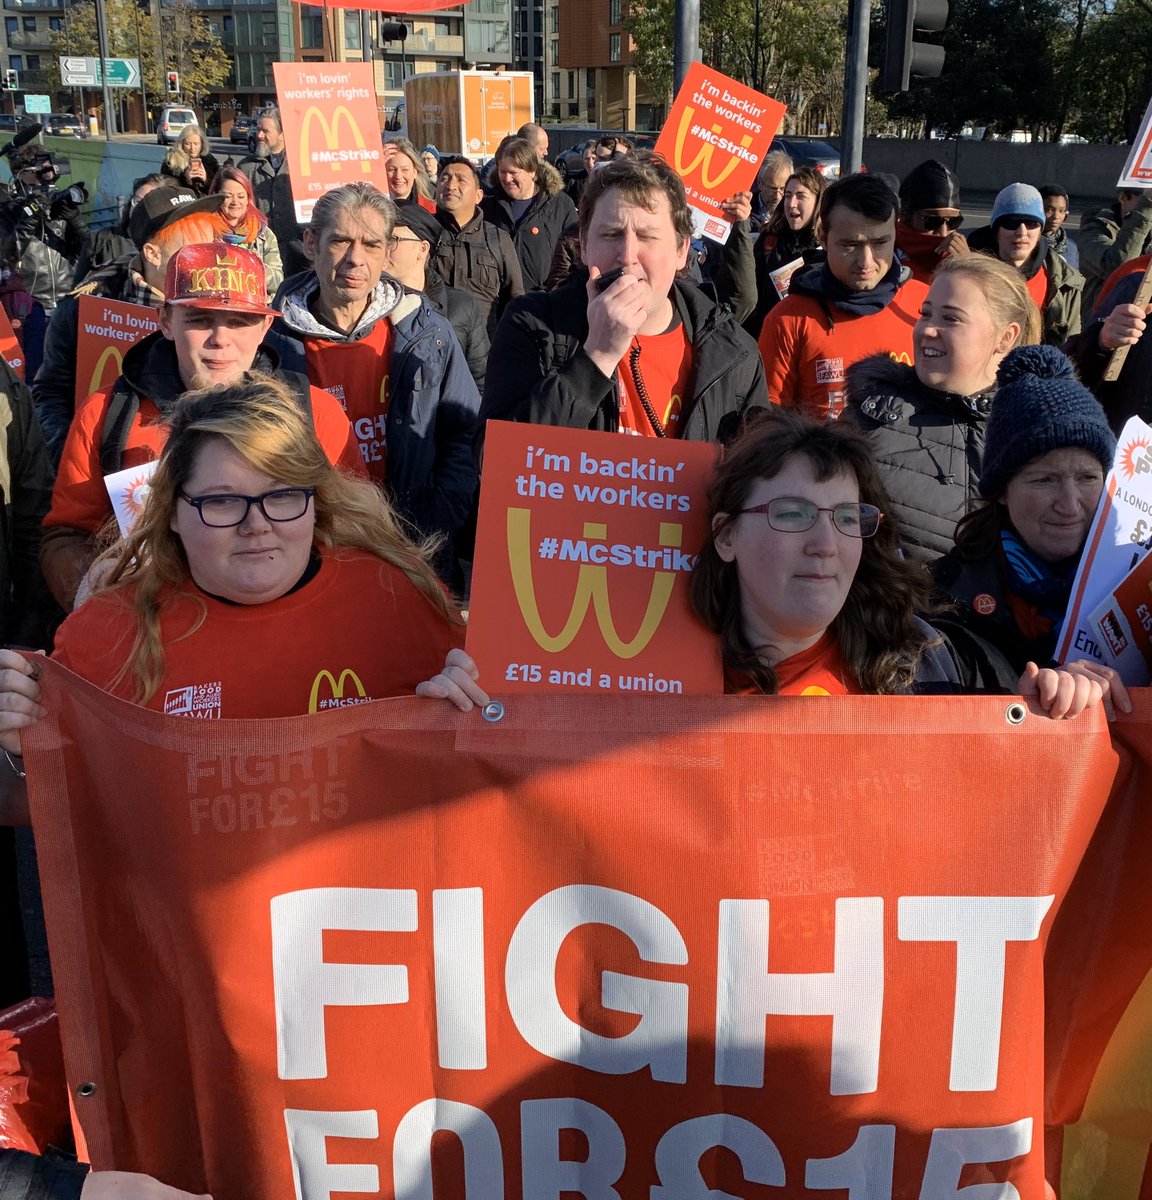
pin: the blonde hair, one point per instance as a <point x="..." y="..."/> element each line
<point x="176" y="160"/>
<point x="423" y="184"/>
<point x="189" y="131"/>
<point x="265" y="422"/>
<point x="1004" y="290"/>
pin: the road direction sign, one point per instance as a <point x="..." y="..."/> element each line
<point x="85" y="72"/>
<point x="37" y="104"/>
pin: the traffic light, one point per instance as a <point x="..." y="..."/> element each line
<point x="903" y="55"/>
<point x="173" y="82"/>
<point x="11" y="83"/>
<point x="393" y="31"/>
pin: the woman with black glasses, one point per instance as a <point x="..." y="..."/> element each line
<point x="1016" y="237"/>
<point x="258" y="580"/>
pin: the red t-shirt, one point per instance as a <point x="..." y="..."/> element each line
<point x="807" y="348"/>
<point x="79" y="497"/>
<point x="665" y="365"/>
<point x="1038" y="288"/>
<point x="818" y="671"/>
<point x="359" y="630"/>
<point x="356" y="373"/>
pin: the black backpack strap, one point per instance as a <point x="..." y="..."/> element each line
<point x="123" y="407"/>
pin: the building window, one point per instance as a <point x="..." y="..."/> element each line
<point x="613" y="47"/>
<point x="392" y="78"/>
<point x="352" y="31"/>
<point x="311" y="27"/>
<point x="554" y="19"/>
<point x="555" y="85"/>
<point x="555" y="47"/>
<point x="10" y="27"/>
<point x="55" y="24"/>
<point x="16" y="62"/>
<point x="33" y="62"/>
<point x="613" y="12"/>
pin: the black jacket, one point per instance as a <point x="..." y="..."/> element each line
<point x="976" y="589"/>
<point x="481" y="259"/>
<point x="535" y="235"/>
<point x="928" y="445"/>
<point x="26" y="1176"/>
<point x="273" y="191"/>
<point x="1131" y="394"/>
<point x="771" y="251"/>
<point x="54" y="388"/>
<point x="538" y="371"/>
<point x="467" y="319"/>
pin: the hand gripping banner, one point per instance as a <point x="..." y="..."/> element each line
<point x="611" y="947"/>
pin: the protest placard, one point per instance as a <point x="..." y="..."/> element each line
<point x="585" y="544"/>
<point x="715" y="139"/>
<point x="1120" y="535"/>
<point x="10" y="348"/>
<point x="128" y="489"/>
<point x="107" y="330"/>
<point x="1137" y="171"/>
<point x="1121" y="625"/>
<point x="782" y="276"/>
<point x="331" y="128"/>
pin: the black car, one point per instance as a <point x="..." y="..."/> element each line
<point x="810" y="152"/>
<point x="570" y="162"/>
<point x="241" y="128"/>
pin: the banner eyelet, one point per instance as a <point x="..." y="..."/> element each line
<point x="493" y="711"/>
<point x="85" y="1090"/>
<point x="1014" y="714"/>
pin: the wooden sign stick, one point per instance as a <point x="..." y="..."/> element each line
<point x="1141" y="300"/>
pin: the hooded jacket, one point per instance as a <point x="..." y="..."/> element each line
<point x="480" y="259"/>
<point x="463" y="310"/>
<point x="123" y="426"/>
<point x="535" y="235"/>
<point x="433" y="400"/>
<point x="1060" y="311"/>
<point x="538" y="371"/>
<point x="927" y="444"/>
<point x="811" y="338"/>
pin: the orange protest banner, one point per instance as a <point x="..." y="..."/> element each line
<point x="10" y="349"/>
<point x="331" y="129"/>
<point x="108" y="329"/>
<point x="584" y="546"/>
<point x="715" y="139"/>
<point x="753" y="923"/>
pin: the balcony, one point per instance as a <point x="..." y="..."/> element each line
<point x="33" y="5"/>
<point x="23" y="39"/>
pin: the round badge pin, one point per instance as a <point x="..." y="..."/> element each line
<point x="984" y="604"/>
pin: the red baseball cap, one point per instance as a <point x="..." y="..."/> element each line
<point x="216" y="275"/>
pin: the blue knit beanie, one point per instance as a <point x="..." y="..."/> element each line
<point x="1040" y="405"/>
<point x="1018" y="200"/>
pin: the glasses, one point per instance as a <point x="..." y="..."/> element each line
<point x="934" y="223"/>
<point x="787" y="514"/>
<point x="225" y="511"/>
<point x="395" y="241"/>
<point x="1014" y="223"/>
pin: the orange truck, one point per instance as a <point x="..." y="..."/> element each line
<point x="467" y="112"/>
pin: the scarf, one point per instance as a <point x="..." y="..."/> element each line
<point x="1045" y="586"/>
<point x="862" y="304"/>
<point x="918" y="247"/>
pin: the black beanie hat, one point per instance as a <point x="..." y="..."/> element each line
<point x="1040" y="405"/>
<point x="930" y="185"/>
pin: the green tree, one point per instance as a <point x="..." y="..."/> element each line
<point x="190" y="47"/>
<point x="1115" y="82"/>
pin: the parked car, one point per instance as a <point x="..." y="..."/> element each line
<point x="172" y="123"/>
<point x="7" y="123"/>
<point x="809" y="152"/>
<point x="241" y="127"/>
<point x="570" y="162"/>
<point x="64" y="125"/>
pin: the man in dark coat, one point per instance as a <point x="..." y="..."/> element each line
<point x="268" y="170"/>
<point x="625" y="345"/>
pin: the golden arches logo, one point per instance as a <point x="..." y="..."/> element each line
<point x="110" y="355"/>
<point x="335" y="156"/>
<point x="591" y="589"/>
<point x="336" y="687"/>
<point x="703" y="159"/>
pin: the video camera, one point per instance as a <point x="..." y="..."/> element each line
<point x="34" y="175"/>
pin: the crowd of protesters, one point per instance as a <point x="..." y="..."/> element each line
<point x="915" y="426"/>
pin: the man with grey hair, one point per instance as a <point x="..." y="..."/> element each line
<point x="770" y="181"/>
<point x="536" y="136"/>
<point x="391" y="360"/>
<point x="272" y="186"/>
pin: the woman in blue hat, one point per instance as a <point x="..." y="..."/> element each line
<point x="1016" y="237"/>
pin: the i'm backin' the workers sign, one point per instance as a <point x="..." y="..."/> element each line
<point x="585" y="544"/>
<point x="331" y="130"/>
<point x="715" y="139"/>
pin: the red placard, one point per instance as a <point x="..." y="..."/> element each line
<point x="107" y="330"/>
<point x="715" y="139"/>
<point x="584" y="548"/>
<point x="331" y="129"/>
<point x="10" y="349"/>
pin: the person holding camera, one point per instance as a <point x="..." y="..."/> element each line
<point x="190" y="163"/>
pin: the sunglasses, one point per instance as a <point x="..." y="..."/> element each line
<point x="1014" y="223"/>
<point x="934" y="223"/>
